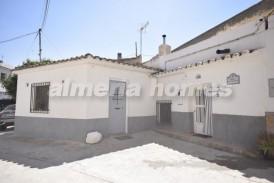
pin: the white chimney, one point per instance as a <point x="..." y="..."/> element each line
<point x="119" y="56"/>
<point x="164" y="49"/>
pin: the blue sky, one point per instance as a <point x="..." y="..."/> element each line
<point x="105" y="27"/>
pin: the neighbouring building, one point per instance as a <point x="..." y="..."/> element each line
<point x="5" y="71"/>
<point x="237" y="53"/>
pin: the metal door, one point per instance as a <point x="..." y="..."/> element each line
<point x="163" y="111"/>
<point x="117" y="107"/>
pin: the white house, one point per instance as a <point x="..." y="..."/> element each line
<point x="248" y="40"/>
<point x="237" y="54"/>
<point x="71" y="117"/>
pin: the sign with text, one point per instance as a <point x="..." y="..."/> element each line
<point x="233" y="79"/>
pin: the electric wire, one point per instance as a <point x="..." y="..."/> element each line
<point x="45" y="14"/>
<point x="31" y="33"/>
<point x="18" y="37"/>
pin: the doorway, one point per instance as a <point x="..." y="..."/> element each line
<point x="163" y="110"/>
<point x="203" y="111"/>
<point x="117" y="107"/>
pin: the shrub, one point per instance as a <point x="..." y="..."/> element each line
<point x="266" y="146"/>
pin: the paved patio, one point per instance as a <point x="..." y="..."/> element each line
<point x="208" y="142"/>
<point x="43" y="154"/>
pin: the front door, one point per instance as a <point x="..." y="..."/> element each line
<point x="117" y="107"/>
<point x="199" y="111"/>
<point x="203" y="112"/>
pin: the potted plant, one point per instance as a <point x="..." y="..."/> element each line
<point x="266" y="146"/>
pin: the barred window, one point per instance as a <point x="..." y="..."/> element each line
<point x="39" y="97"/>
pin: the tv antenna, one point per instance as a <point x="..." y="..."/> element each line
<point x="142" y="29"/>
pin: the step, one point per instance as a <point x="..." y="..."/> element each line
<point x="208" y="142"/>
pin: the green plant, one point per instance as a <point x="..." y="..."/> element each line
<point x="10" y="84"/>
<point x="266" y="145"/>
<point x="32" y="63"/>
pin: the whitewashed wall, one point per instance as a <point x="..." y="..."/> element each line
<point x="269" y="61"/>
<point x="248" y="98"/>
<point x="137" y="106"/>
<point x="59" y="107"/>
<point x="83" y="72"/>
<point x="254" y="69"/>
<point x="185" y="56"/>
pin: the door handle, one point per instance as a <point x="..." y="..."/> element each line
<point x="117" y="108"/>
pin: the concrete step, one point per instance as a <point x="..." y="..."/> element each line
<point x="208" y="142"/>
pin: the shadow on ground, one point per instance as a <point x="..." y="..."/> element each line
<point x="44" y="153"/>
<point x="249" y="167"/>
<point x="40" y="153"/>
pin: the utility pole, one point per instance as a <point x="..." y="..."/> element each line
<point x="141" y="36"/>
<point x="40" y="45"/>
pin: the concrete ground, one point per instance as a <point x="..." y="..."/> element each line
<point x="42" y="154"/>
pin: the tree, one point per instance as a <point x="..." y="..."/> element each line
<point x="10" y="84"/>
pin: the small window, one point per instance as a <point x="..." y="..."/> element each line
<point x="3" y="76"/>
<point x="271" y="87"/>
<point x="39" y="97"/>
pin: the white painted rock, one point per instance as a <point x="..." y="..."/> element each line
<point x="93" y="137"/>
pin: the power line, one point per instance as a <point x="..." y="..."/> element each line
<point x="57" y="49"/>
<point x="41" y="28"/>
<point x="18" y="37"/>
<point x="36" y="32"/>
<point x="45" y="13"/>
<point x="31" y="46"/>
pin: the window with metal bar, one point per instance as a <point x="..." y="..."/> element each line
<point x="39" y="97"/>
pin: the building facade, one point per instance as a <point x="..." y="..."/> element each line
<point x="237" y="54"/>
<point x="241" y="47"/>
<point x="72" y="117"/>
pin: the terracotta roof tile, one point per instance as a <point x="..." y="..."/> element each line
<point x="115" y="61"/>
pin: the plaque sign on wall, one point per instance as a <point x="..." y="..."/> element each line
<point x="233" y="79"/>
